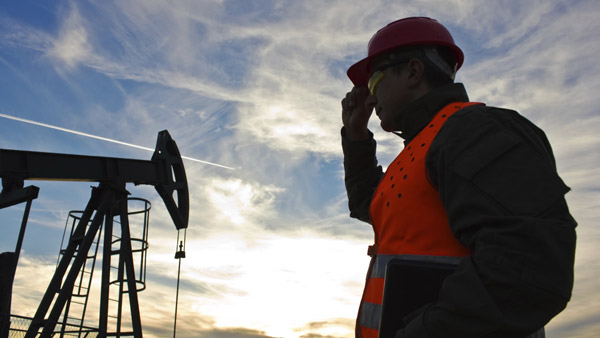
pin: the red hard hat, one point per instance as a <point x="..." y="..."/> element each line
<point x="404" y="32"/>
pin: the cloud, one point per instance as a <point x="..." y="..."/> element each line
<point x="259" y="65"/>
<point x="340" y="327"/>
<point x="16" y="34"/>
<point x="31" y="279"/>
<point x="240" y="202"/>
<point x="233" y="333"/>
<point x="72" y="45"/>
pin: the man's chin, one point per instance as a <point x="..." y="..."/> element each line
<point x="387" y="127"/>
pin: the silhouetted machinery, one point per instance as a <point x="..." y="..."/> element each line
<point x="107" y="209"/>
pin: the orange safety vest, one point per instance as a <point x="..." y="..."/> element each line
<point x="408" y="220"/>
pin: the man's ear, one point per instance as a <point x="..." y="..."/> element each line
<point x="416" y="70"/>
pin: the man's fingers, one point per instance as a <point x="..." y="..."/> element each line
<point x="361" y="93"/>
<point x="345" y="106"/>
<point x="355" y="100"/>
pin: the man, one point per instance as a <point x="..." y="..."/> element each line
<point x="473" y="184"/>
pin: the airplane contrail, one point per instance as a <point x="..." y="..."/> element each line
<point x="102" y="138"/>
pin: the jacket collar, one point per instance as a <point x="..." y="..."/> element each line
<point x="421" y="111"/>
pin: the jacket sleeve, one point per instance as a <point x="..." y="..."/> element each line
<point x="505" y="201"/>
<point x="362" y="174"/>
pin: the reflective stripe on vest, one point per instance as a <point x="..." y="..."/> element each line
<point x="408" y="219"/>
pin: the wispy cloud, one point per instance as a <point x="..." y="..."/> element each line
<point x="71" y="47"/>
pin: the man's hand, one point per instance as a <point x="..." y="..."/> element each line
<point x="356" y="113"/>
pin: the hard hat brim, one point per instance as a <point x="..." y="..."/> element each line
<point x="358" y="73"/>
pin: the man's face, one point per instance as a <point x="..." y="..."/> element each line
<point x="389" y="93"/>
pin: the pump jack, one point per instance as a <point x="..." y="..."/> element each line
<point x="165" y="171"/>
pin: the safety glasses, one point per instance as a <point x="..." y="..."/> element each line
<point x="377" y="75"/>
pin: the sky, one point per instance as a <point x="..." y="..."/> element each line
<point x="253" y="89"/>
